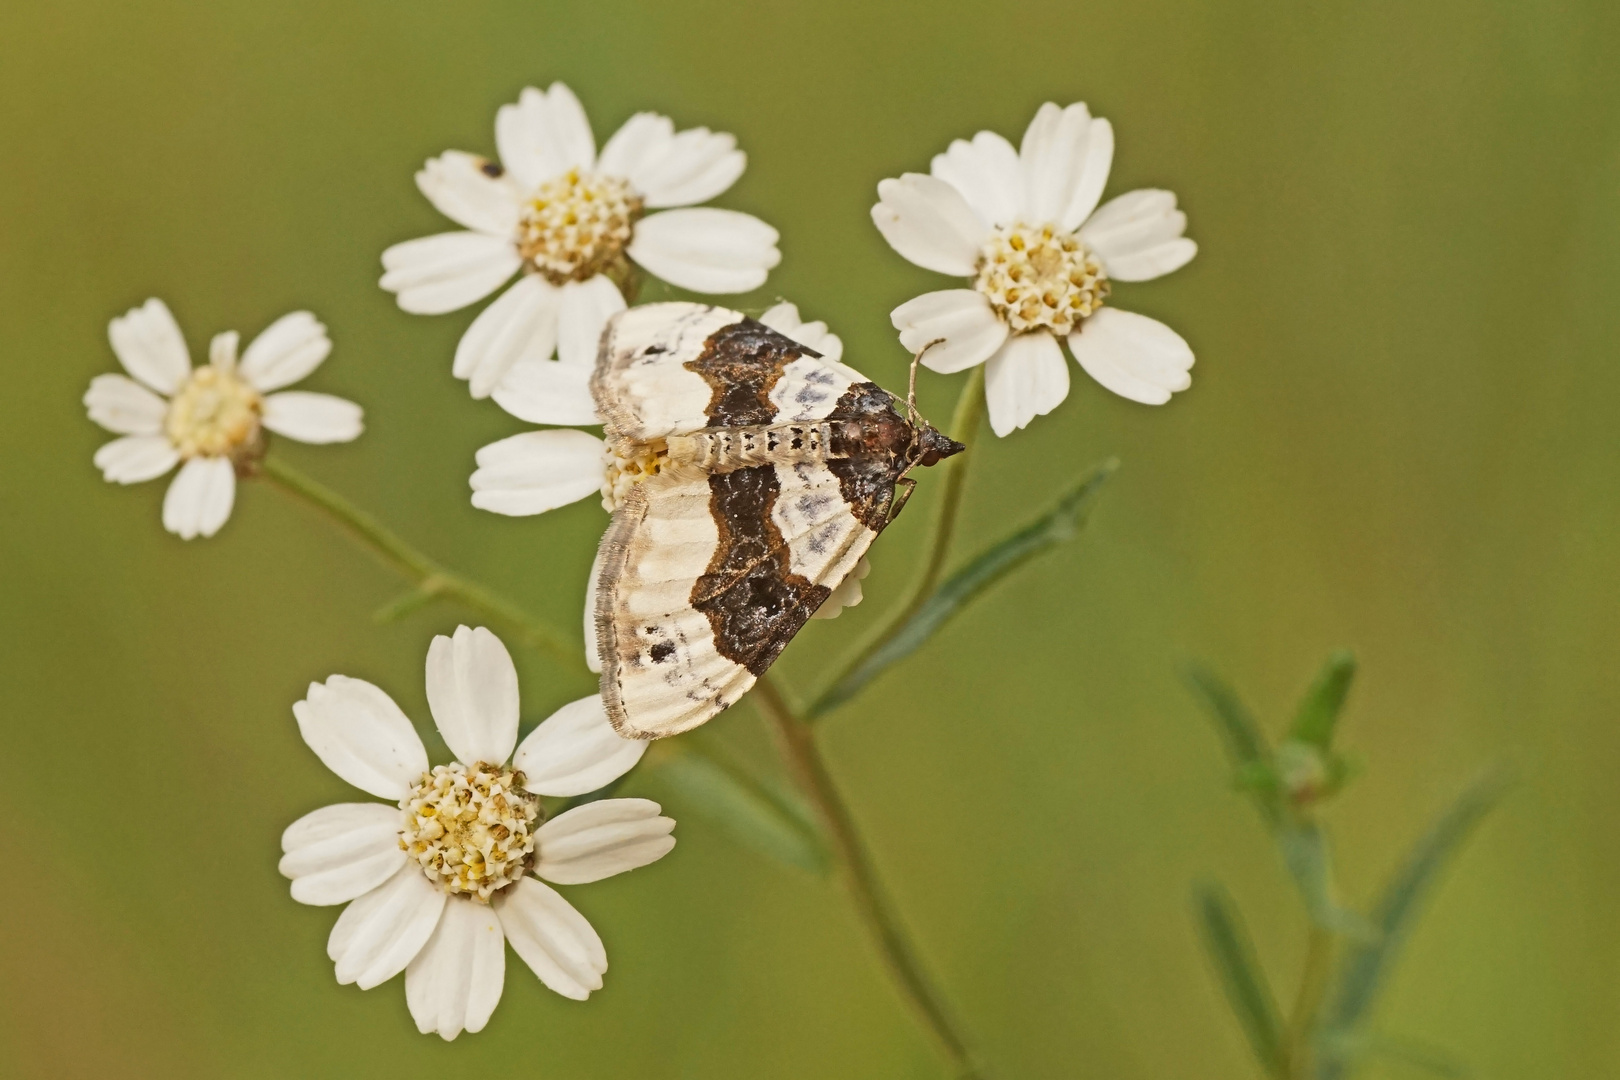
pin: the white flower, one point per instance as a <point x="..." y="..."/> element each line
<point x="437" y="884"/>
<point x="1019" y="224"/>
<point x="211" y="418"/>
<point x="573" y="221"/>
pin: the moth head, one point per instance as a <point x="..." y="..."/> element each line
<point x="930" y="447"/>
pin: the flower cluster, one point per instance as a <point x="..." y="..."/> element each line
<point x="459" y="859"/>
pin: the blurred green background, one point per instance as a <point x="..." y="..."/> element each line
<point x="1401" y="437"/>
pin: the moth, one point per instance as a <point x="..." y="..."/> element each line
<point x="769" y="470"/>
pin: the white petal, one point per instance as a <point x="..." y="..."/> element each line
<point x="286" y="351"/>
<point x="537" y="471"/>
<point x="987" y="173"/>
<point x="1093" y="176"/>
<point x="455" y="982"/>
<point x="585" y="309"/>
<point x="359" y="733"/>
<point x="1026" y="379"/>
<point x="472" y="689"/>
<point x="135" y="458"/>
<point x="600" y="839"/>
<point x="927" y="221"/>
<point x="472" y="191"/>
<point x="150" y="346"/>
<point x="544" y="135"/>
<point x="552" y="938"/>
<point x="547" y="392"/>
<point x="222" y="350"/>
<point x="1134" y="356"/>
<point x="313" y="418"/>
<point x="440" y="273"/>
<point x="692" y="167"/>
<point x="122" y="405"/>
<point x="200" y="497"/>
<point x="705" y="249"/>
<point x="575" y="750"/>
<point x="339" y="852"/>
<point x="521" y="322"/>
<point x="593" y="652"/>
<point x="963" y="317"/>
<point x="784" y="319"/>
<point x="645" y="137"/>
<point x="380" y="933"/>
<point x="1053" y="155"/>
<point x="848" y="593"/>
<point x="1138" y="235"/>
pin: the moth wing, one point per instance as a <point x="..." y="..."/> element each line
<point x="675" y="368"/>
<point x="705" y="578"/>
<point x="642" y="386"/>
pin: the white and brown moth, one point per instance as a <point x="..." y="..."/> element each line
<point x="772" y="471"/>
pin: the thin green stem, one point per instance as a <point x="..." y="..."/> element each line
<point x="432" y="581"/>
<point x="796" y="740"/>
<point x="966" y="421"/>
<point x="1297" y="1044"/>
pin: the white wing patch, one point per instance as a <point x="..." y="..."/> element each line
<point x="642" y="387"/>
<point x="661" y="672"/>
<point x="824" y="539"/>
<point x="809" y="388"/>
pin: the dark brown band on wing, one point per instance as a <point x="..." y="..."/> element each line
<point x="867" y="472"/>
<point x="751" y="597"/>
<point x="741" y="364"/>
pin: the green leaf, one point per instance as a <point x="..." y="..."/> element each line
<point x="758" y="814"/>
<point x="1419" y="1056"/>
<point x="406" y="603"/>
<point x="1319" y="711"/>
<point x="1059" y="524"/>
<point x="1235" y="961"/>
<point x="1245" y="744"/>
<point x="1366" y="968"/>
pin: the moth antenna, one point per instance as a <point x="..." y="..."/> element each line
<point x="912" y="416"/>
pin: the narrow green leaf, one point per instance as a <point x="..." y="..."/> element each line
<point x="1245" y="744"/>
<point x="1239" y="969"/>
<point x="405" y="603"/>
<point x="1062" y="522"/>
<point x="1319" y="711"/>
<point x="756" y="813"/>
<point x="1419" y="1056"/>
<point x="1365" y="968"/>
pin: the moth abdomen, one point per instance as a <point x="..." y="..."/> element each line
<point x="719" y="450"/>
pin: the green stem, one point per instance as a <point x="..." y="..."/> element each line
<point x="796" y="740"/>
<point x="432" y="581"/>
<point x="966" y="422"/>
<point x="1297" y="1045"/>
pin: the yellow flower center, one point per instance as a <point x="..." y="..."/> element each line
<point x="1040" y="277"/>
<point x="215" y="414"/>
<point x="577" y="225"/>
<point x="470" y="828"/>
<point x="625" y="473"/>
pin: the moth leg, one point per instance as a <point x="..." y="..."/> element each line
<point x="903" y="488"/>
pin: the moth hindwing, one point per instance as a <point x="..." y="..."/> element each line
<point x="769" y="470"/>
